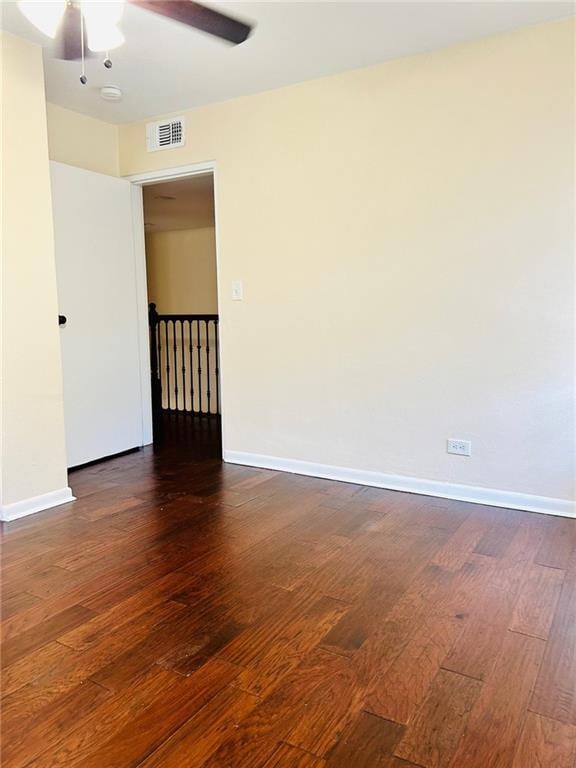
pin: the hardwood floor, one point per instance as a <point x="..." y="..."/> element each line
<point x="186" y="613"/>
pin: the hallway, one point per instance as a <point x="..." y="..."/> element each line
<point x="185" y="612"/>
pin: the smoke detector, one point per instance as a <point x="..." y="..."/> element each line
<point x="111" y="93"/>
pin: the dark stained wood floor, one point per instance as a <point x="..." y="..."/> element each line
<point x="186" y="613"/>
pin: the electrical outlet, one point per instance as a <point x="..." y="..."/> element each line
<point x="459" y="447"/>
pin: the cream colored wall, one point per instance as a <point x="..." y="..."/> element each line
<point x="82" y="141"/>
<point x="181" y="266"/>
<point x="405" y="235"/>
<point x="33" y="449"/>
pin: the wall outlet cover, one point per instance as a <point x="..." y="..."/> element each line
<point x="459" y="447"/>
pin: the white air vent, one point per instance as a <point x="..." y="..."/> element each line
<point x="165" y="134"/>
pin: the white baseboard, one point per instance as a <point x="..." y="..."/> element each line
<point x="35" y="504"/>
<point x="473" y="494"/>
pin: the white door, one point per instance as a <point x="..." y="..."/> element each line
<point x="97" y="292"/>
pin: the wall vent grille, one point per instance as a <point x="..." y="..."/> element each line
<point x="165" y="134"/>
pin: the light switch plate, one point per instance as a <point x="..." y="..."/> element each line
<point x="237" y="290"/>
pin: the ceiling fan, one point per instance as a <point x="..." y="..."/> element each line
<point x="82" y="26"/>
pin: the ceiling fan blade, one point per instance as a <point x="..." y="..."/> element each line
<point x="68" y="45"/>
<point x="199" y="16"/>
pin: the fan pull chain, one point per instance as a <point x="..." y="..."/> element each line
<point x="107" y="60"/>
<point x="83" y="78"/>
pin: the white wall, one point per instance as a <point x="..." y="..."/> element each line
<point x="405" y="234"/>
<point x="33" y="445"/>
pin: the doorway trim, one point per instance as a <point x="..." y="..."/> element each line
<point x="138" y="181"/>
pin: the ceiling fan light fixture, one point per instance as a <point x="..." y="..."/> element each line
<point x="45" y="16"/>
<point x="107" y="40"/>
<point x="102" y="19"/>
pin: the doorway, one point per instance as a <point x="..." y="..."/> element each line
<point x="180" y="245"/>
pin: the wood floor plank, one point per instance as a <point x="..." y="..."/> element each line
<point x="555" y="690"/>
<point x="74" y="667"/>
<point x="328" y="688"/>
<point x="96" y="630"/>
<point x="406" y="558"/>
<point x="309" y="711"/>
<point x="536" y="606"/>
<point x="187" y="637"/>
<point x="44" y="733"/>
<point x="72" y="559"/>
<point x="30" y="667"/>
<point x="53" y="581"/>
<point x="262" y="674"/>
<point x="558" y="544"/>
<point x="360" y="621"/>
<point x="400" y="624"/>
<point x="44" y="633"/>
<point x="462" y="543"/>
<point x="437" y="726"/>
<point x="510" y="570"/>
<point x="127" y="729"/>
<point x="397" y="694"/>
<point x="252" y="644"/>
<point x="191" y="655"/>
<point x="286" y="755"/>
<point x="546" y="743"/>
<point x="138" y="572"/>
<point x="496" y="540"/>
<point x="494" y="726"/>
<point x="255" y="740"/>
<point x="205" y="731"/>
<point x="141" y="572"/>
<point x="17" y="603"/>
<point x="477" y="649"/>
<point x="106" y="719"/>
<point x="294" y="553"/>
<point x="345" y="577"/>
<point x="368" y="742"/>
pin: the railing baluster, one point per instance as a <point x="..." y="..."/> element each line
<point x="217" y="366"/>
<point x="156" y="371"/>
<point x="175" y="362"/>
<point x="159" y="346"/>
<point x="199" y="348"/>
<point x="206" y="323"/>
<point x="191" y="366"/>
<point x="168" y="391"/>
<point x="183" y="366"/>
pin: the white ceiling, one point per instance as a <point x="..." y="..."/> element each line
<point x="166" y="67"/>
<point x="191" y="205"/>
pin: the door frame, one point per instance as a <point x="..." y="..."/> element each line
<point x="138" y="181"/>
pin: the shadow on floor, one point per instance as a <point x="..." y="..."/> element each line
<point x="196" y="436"/>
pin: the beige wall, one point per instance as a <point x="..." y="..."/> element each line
<point x="405" y="235"/>
<point x="33" y="449"/>
<point x="181" y="266"/>
<point x="82" y="141"/>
